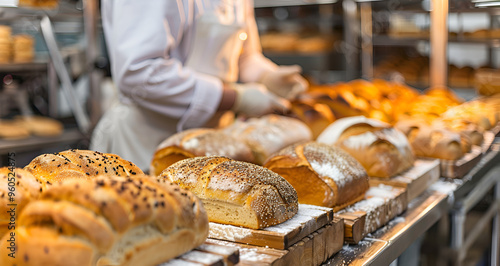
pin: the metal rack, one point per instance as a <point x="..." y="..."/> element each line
<point x="389" y="242"/>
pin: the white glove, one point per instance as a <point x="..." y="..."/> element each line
<point x="285" y="81"/>
<point x="253" y="99"/>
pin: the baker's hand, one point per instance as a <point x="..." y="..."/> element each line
<point x="285" y="81"/>
<point x="253" y="99"/>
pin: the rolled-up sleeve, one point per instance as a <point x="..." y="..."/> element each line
<point x="141" y="37"/>
<point x="253" y="64"/>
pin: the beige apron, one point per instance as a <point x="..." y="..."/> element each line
<point x="133" y="132"/>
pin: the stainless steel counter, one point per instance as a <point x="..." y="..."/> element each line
<point x="386" y="244"/>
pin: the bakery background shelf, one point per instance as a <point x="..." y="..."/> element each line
<point x="23" y="67"/>
<point x="387" y="40"/>
<point x="34" y="142"/>
<point x="280" y="3"/>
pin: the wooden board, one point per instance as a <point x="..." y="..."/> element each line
<point x="211" y="254"/>
<point x="415" y="180"/>
<point x="354" y="224"/>
<point x="313" y="249"/>
<point x="496" y="130"/>
<point x="282" y="236"/>
<point x="489" y="138"/>
<point x="459" y="168"/>
<point x="381" y="204"/>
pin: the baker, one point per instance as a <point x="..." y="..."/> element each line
<point x="178" y="65"/>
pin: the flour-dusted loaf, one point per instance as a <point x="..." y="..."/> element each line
<point x="79" y="164"/>
<point x="381" y="149"/>
<point x="24" y="187"/>
<point x="321" y="174"/>
<point x="433" y="142"/>
<point x="108" y="220"/>
<point x="198" y="142"/>
<point x="269" y="134"/>
<point x="234" y="192"/>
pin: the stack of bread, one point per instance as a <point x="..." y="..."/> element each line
<point x="81" y="207"/>
<point x="24" y="126"/>
<point x="5" y="44"/>
<point x="381" y="149"/>
<point x="23" y="48"/>
<point x="321" y="174"/>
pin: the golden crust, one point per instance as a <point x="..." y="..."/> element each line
<point x="27" y="188"/>
<point x="198" y="142"/>
<point x="114" y="220"/>
<point x="82" y="164"/>
<point x="253" y="188"/>
<point x="327" y="175"/>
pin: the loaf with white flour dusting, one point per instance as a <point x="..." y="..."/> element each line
<point x="234" y="192"/>
<point x="381" y="149"/>
<point x="322" y="175"/>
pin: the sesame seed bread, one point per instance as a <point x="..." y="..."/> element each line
<point x="109" y="220"/>
<point x="85" y="164"/>
<point x="269" y="134"/>
<point x="27" y="188"/>
<point x="198" y="142"/>
<point x="381" y="149"/>
<point x="321" y="174"/>
<point x="234" y="192"/>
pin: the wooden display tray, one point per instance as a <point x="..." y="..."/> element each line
<point x="381" y="204"/>
<point x="211" y="254"/>
<point x="459" y="168"/>
<point x="282" y="236"/>
<point x="496" y="130"/>
<point x="415" y="180"/>
<point x="313" y="249"/>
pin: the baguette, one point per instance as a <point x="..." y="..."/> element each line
<point x="108" y="220"/>
<point x="84" y="164"/>
<point x="198" y="142"/>
<point x="233" y="192"/>
<point x="269" y="134"/>
<point x="321" y="174"/>
<point x="382" y="150"/>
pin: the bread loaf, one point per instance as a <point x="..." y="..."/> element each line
<point x="198" y="142"/>
<point x="233" y="192"/>
<point x="108" y="221"/>
<point x="316" y="116"/>
<point x="428" y="141"/>
<point x="321" y="174"/>
<point x="382" y="150"/>
<point x="269" y="134"/>
<point x="85" y="164"/>
<point x="24" y="187"/>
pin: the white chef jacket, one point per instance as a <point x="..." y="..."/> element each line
<point x="148" y="43"/>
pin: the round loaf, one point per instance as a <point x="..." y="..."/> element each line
<point x="198" y="142"/>
<point x="321" y="174"/>
<point x="84" y="164"/>
<point x="234" y="192"/>
<point x="269" y="134"/>
<point x="109" y="220"/>
<point x="26" y="188"/>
